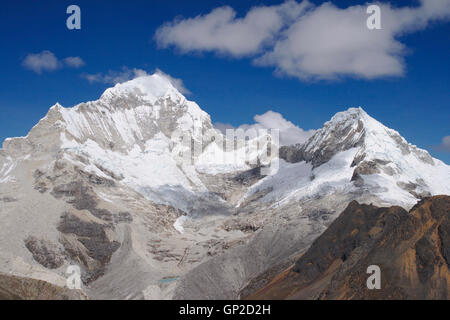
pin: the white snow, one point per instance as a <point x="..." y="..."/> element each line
<point x="146" y="171"/>
<point x="299" y="180"/>
<point x="150" y="88"/>
<point x="5" y="171"/>
<point x="178" y="225"/>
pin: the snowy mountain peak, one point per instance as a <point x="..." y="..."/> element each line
<point x="353" y="128"/>
<point x="377" y="158"/>
<point x="352" y="119"/>
<point x="148" y="87"/>
<point x="126" y="115"/>
<point x="348" y="115"/>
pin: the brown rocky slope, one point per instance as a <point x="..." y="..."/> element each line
<point x="19" y="288"/>
<point x="412" y="250"/>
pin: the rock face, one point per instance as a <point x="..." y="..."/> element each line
<point x="44" y="252"/>
<point x="136" y="188"/>
<point x="411" y="250"/>
<point x="17" y="288"/>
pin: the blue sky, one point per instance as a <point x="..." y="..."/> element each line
<point x="231" y="87"/>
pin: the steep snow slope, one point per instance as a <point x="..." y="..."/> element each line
<point x="354" y="152"/>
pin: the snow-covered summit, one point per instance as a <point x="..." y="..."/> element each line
<point x="131" y="132"/>
<point x="149" y="87"/>
<point x="355" y="128"/>
<point x="128" y="114"/>
<point x="353" y="152"/>
<point x="348" y="115"/>
<point x="350" y="129"/>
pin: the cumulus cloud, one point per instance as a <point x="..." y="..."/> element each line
<point x="47" y="61"/>
<point x="289" y="132"/>
<point x="311" y="42"/>
<point x="221" y="31"/>
<point x="445" y="145"/>
<point x="329" y="42"/>
<point x="126" y="74"/>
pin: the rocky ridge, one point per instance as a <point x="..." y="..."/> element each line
<point x="411" y="250"/>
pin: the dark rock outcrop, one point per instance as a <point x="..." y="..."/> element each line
<point x="88" y="243"/>
<point x="45" y="252"/>
<point x="334" y="137"/>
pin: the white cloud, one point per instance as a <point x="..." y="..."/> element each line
<point x="126" y="74"/>
<point x="329" y="42"/>
<point x="222" y="32"/>
<point x="312" y="42"/>
<point x="47" y="61"/>
<point x="445" y="145"/>
<point x="289" y="132"/>
<point x="74" y="62"/>
<point x="177" y="83"/>
<point x="114" y="77"/>
<point x="38" y="62"/>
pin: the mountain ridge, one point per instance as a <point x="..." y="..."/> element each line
<point x="102" y="185"/>
<point x="410" y="248"/>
